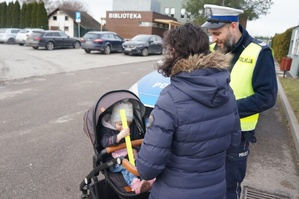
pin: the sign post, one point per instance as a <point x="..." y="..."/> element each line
<point x="78" y="20"/>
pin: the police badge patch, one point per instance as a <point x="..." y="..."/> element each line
<point x="150" y="121"/>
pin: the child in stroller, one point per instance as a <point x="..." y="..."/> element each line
<point x="112" y="133"/>
<point x="111" y="185"/>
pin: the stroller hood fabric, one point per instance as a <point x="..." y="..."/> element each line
<point x="104" y="104"/>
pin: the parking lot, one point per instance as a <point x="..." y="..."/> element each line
<point x="22" y="62"/>
<point x="45" y="153"/>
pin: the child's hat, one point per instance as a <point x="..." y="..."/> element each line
<point x="127" y="106"/>
<point x="218" y="16"/>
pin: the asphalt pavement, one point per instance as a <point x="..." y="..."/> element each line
<point x="273" y="166"/>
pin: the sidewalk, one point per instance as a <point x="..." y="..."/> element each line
<point x="292" y="120"/>
<point x="273" y="164"/>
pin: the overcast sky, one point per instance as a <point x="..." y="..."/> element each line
<point x="283" y="15"/>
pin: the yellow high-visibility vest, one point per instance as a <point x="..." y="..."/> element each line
<point x="241" y="80"/>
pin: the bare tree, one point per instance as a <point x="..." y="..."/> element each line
<point x="73" y="5"/>
<point x="51" y="5"/>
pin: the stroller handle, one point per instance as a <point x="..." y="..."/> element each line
<point x="125" y="162"/>
<point x="111" y="149"/>
<point x="131" y="168"/>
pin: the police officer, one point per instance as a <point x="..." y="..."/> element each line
<point x="253" y="80"/>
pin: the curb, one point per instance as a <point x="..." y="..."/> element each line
<point x="293" y="122"/>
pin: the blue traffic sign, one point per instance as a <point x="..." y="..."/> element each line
<point x="78" y="17"/>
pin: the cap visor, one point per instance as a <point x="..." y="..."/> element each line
<point x="212" y="25"/>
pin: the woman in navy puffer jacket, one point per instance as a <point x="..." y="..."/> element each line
<point x="194" y="121"/>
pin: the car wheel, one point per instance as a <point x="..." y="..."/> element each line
<point x="161" y="52"/>
<point x="126" y="53"/>
<point x="10" y="41"/>
<point x="107" y="50"/>
<point x="50" y="45"/>
<point x="145" y="52"/>
<point x="77" y="45"/>
<point x="87" y="50"/>
<point x="34" y="47"/>
<point x="21" y="44"/>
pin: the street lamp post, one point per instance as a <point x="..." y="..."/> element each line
<point x="102" y="21"/>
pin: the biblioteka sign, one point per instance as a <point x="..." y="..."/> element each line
<point x="124" y="16"/>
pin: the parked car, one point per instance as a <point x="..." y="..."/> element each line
<point x="24" y="33"/>
<point x="8" y="35"/>
<point x="143" y="45"/>
<point x="148" y="89"/>
<point x="51" y="39"/>
<point x="105" y="42"/>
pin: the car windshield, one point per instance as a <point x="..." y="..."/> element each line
<point x="38" y="34"/>
<point x="91" y="36"/>
<point x="140" y="38"/>
<point x="63" y="34"/>
<point x="24" y="31"/>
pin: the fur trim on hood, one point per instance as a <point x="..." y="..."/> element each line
<point x="215" y="59"/>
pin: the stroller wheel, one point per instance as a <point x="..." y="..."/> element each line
<point x="85" y="196"/>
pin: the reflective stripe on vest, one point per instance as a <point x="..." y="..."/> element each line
<point x="241" y="76"/>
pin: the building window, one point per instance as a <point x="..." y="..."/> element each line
<point x="66" y="18"/>
<point x="183" y="11"/>
<point x="54" y="28"/>
<point x="66" y="28"/>
<point x="166" y="11"/>
<point x="172" y="12"/>
<point x="55" y="18"/>
<point x="140" y="23"/>
<point x="155" y="25"/>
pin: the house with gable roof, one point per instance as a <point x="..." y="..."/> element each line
<point x="65" y="20"/>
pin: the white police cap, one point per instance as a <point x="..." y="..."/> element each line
<point x="218" y="16"/>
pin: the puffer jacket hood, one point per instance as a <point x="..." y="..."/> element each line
<point x="205" y="86"/>
<point x="215" y="59"/>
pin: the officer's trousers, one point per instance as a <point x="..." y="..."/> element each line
<point x="236" y="163"/>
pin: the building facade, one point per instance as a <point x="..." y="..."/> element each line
<point x="130" y="23"/>
<point x="174" y="9"/>
<point x="131" y="17"/>
<point x="294" y="52"/>
<point x="65" y="20"/>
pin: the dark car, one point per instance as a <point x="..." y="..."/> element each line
<point x="105" y="42"/>
<point x="144" y="45"/>
<point x="51" y="39"/>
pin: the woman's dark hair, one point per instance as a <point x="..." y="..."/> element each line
<point x="181" y="42"/>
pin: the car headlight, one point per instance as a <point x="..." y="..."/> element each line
<point x="139" y="45"/>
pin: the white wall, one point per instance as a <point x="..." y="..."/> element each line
<point x="62" y="23"/>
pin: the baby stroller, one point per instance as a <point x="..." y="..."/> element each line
<point x="113" y="185"/>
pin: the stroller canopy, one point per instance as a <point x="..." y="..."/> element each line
<point x="104" y="105"/>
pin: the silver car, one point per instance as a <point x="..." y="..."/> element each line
<point x="23" y="34"/>
<point x="8" y="35"/>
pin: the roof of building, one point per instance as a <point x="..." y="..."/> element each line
<point x="87" y="21"/>
<point x="171" y="23"/>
